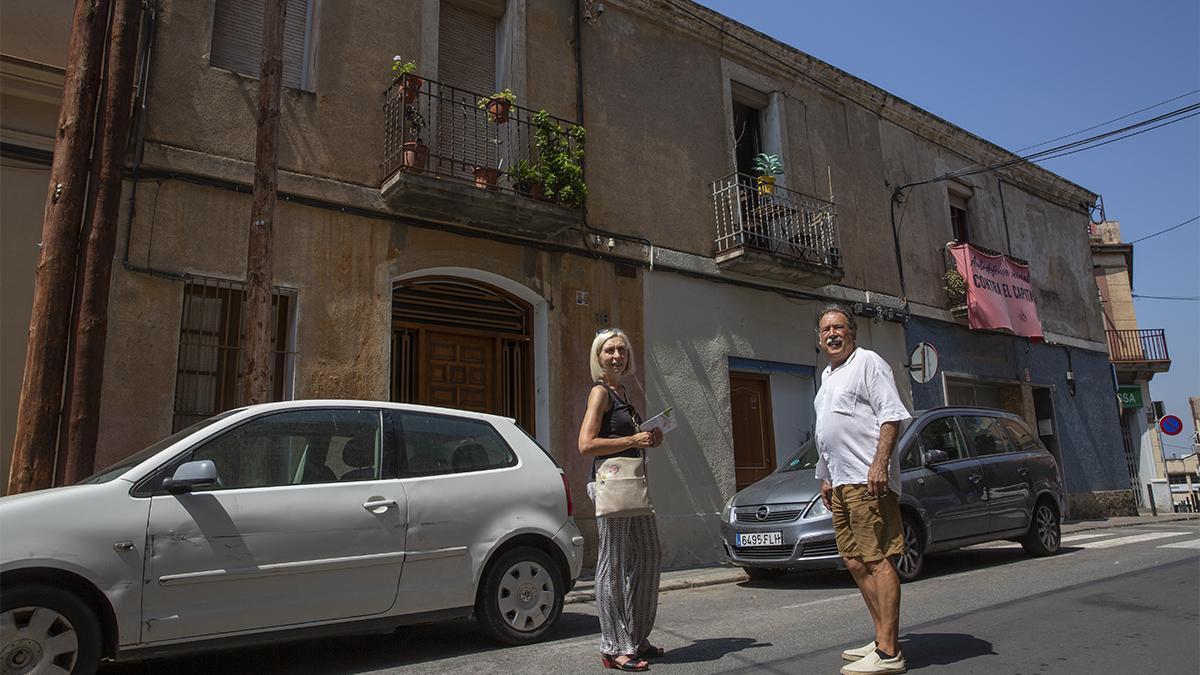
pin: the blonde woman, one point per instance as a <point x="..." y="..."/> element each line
<point x="627" y="565"/>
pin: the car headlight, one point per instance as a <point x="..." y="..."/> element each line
<point x="816" y="509"/>
<point x="727" y="512"/>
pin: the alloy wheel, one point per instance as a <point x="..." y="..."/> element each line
<point x="526" y="596"/>
<point x="908" y="565"/>
<point x="37" y="640"/>
<point x="1047" y="527"/>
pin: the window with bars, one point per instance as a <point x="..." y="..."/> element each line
<point x="237" y="30"/>
<point x="958" y="214"/>
<point x="206" y="378"/>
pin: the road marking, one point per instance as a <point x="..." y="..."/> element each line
<point x="1195" y="543"/>
<point x="836" y="598"/>
<point x="1137" y="538"/>
<point x="1081" y="537"/>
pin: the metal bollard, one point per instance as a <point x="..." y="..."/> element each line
<point x="1150" y="492"/>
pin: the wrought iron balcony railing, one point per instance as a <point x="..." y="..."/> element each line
<point x="436" y="129"/>
<point x="775" y="219"/>
<point x="1137" y="346"/>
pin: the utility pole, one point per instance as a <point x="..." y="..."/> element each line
<point x="256" y="311"/>
<point x="54" y="283"/>
<point x="77" y="448"/>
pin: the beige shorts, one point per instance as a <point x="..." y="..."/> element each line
<point x="866" y="527"/>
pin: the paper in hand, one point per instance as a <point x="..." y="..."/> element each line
<point x="664" y="420"/>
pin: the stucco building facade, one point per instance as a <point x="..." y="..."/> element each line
<point x="421" y="283"/>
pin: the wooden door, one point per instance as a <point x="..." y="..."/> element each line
<point x="460" y="371"/>
<point x="753" y="430"/>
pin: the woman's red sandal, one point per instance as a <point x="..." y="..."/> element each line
<point x="633" y="665"/>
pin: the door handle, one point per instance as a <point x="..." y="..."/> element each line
<point x="975" y="478"/>
<point x="374" y="505"/>
<point x="1023" y="472"/>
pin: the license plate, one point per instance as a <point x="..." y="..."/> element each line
<point x="749" y="539"/>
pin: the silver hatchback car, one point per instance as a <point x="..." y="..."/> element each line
<point x="970" y="475"/>
<point x="284" y="520"/>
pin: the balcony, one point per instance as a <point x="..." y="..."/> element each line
<point x="1142" y="352"/>
<point x="779" y="234"/>
<point x="446" y="158"/>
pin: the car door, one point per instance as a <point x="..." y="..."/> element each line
<point x="465" y="493"/>
<point x="951" y="491"/>
<point x="1005" y="480"/>
<point x="303" y="527"/>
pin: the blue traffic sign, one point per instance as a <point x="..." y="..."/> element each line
<point x="1170" y="425"/>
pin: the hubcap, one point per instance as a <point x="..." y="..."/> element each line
<point x="32" y="637"/>
<point x="526" y="596"/>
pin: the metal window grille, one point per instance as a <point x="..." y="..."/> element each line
<point x="206" y="378"/>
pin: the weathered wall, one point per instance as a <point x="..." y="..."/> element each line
<point x="37" y="31"/>
<point x="1087" y="429"/>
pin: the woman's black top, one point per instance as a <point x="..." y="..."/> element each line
<point x="619" y="421"/>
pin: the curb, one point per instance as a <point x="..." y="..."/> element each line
<point x="731" y="576"/>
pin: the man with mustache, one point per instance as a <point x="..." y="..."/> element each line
<point x="858" y="419"/>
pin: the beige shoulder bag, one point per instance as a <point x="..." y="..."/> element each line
<point x="621" y="488"/>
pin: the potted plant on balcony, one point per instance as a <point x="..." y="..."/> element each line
<point x="767" y="167"/>
<point x="410" y="82"/>
<point x="956" y="290"/>
<point x="497" y="105"/>
<point x="526" y="179"/>
<point x="414" y="153"/>
<point x="560" y="152"/>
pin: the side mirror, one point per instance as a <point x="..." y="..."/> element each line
<point x="190" y="475"/>
<point x="935" y="456"/>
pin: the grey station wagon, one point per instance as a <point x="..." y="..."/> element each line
<point x="970" y="475"/>
<point x="289" y="519"/>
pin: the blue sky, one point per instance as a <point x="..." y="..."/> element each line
<point x="1019" y="73"/>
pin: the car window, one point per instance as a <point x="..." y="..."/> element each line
<point x="440" y="444"/>
<point x="1024" y="440"/>
<point x="987" y="435"/>
<point x="805" y="457"/>
<point x="297" y="447"/>
<point x="942" y="434"/>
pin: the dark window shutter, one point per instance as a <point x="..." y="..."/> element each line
<point x="237" y="39"/>
<point x="467" y="49"/>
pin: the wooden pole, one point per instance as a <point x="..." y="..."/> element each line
<point x="256" y="310"/>
<point x="54" y="282"/>
<point x="77" y="450"/>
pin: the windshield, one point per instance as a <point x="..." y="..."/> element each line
<point x="110" y="473"/>
<point x="805" y="457"/>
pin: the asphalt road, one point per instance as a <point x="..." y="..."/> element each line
<point x="1115" y="600"/>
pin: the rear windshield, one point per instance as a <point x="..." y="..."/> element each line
<point x="110" y="473"/>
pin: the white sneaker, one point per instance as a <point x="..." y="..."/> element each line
<point x="861" y="652"/>
<point x="872" y="663"/>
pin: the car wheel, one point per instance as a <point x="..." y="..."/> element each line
<point x="764" y="573"/>
<point x="521" y="596"/>
<point x="910" y="562"/>
<point x="1045" y="534"/>
<point x="44" y="629"/>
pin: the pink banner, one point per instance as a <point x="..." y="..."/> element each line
<point x="999" y="293"/>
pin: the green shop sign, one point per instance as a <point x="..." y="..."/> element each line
<point x="1131" y="397"/>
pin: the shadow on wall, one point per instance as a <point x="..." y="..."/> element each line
<point x="686" y="492"/>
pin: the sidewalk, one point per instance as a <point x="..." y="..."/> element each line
<point x="674" y="580"/>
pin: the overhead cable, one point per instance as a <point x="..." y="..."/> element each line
<point x="1173" y="227"/>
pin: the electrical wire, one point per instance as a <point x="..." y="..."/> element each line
<point x="1115" y="119"/>
<point x="1173" y="227"/>
<point x="1185" y="298"/>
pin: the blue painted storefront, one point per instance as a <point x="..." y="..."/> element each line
<point x="1088" y="430"/>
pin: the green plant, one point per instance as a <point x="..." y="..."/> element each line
<point x="523" y="175"/>
<point x="955" y="287"/>
<point x="402" y="67"/>
<point x="767" y="165"/>
<point x="561" y="154"/>
<point x="415" y="122"/>
<point x="505" y="95"/>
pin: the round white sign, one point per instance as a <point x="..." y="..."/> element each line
<point x="923" y="363"/>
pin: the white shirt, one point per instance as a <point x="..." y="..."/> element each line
<point x="854" y="400"/>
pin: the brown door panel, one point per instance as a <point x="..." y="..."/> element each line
<point x="753" y="428"/>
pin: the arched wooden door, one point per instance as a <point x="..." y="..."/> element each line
<point x="460" y="343"/>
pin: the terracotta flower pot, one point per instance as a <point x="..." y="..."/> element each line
<point x="486" y="177"/>
<point x="533" y="190"/>
<point x="414" y="156"/>
<point x="497" y="110"/>
<point x="410" y="86"/>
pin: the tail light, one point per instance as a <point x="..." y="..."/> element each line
<point x="567" y="492"/>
